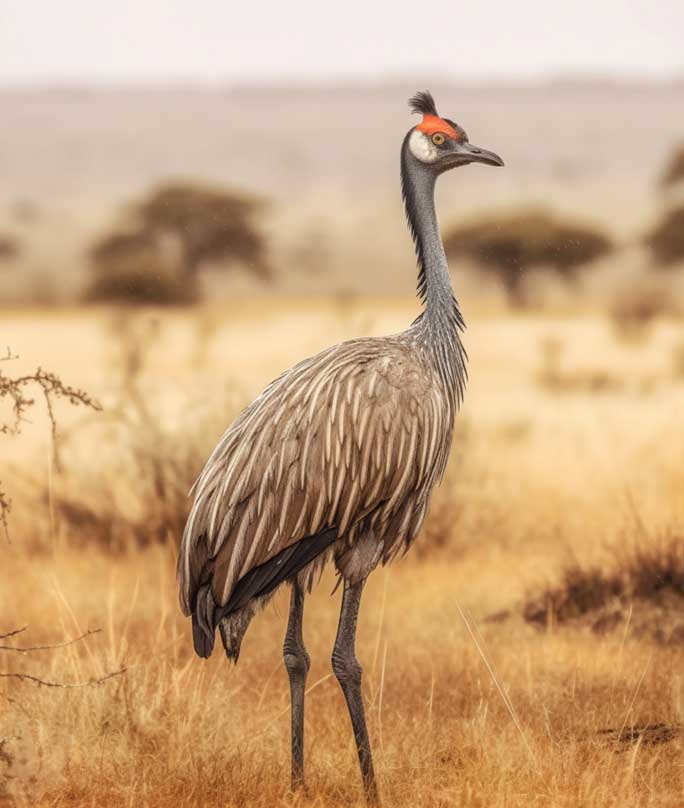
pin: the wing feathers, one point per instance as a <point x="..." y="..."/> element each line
<point x="354" y="434"/>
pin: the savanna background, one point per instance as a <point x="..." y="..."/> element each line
<point x="191" y="200"/>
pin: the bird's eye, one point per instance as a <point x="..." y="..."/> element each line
<point x="438" y="139"/>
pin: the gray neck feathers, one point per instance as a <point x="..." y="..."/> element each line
<point x="440" y="324"/>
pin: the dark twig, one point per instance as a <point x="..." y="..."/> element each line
<point x="28" y="648"/>
<point x="36" y="680"/>
<point x="13" y="633"/>
<point x="27" y="677"/>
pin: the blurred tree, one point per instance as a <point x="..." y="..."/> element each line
<point x="208" y="224"/>
<point x="9" y="247"/>
<point x="510" y="244"/>
<point x="175" y="231"/>
<point x="130" y="268"/>
<point x="666" y="240"/>
<point x="673" y="173"/>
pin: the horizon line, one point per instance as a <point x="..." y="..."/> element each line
<point x="555" y="78"/>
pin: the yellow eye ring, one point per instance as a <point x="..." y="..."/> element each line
<point x="438" y="139"/>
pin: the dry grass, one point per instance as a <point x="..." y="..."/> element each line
<point x="175" y="731"/>
<point x="538" y="481"/>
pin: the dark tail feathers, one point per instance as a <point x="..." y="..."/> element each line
<point x="203" y="642"/>
<point x="258" y="583"/>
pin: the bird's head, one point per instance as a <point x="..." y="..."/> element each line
<point x="440" y="143"/>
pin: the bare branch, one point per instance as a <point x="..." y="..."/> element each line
<point x="51" y="386"/>
<point x="5" y="508"/>
<point x="27" y="677"/>
<point x="13" y="633"/>
<point x="28" y="648"/>
<point x="15" y="390"/>
<point x="36" y="680"/>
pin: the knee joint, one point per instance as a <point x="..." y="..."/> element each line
<point x="346" y="669"/>
<point x="297" y="660"/>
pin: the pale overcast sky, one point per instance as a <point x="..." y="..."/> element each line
<point x="76" y="41"/>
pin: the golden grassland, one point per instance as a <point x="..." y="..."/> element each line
<point x="568" y="451"/>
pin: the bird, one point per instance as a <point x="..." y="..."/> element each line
<point x="335" y="460"/>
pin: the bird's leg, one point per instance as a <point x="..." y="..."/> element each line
<point x="348" y="672"/>
<point x="297" y="663"/>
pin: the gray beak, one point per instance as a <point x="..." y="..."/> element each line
<point x="475" y="154"/>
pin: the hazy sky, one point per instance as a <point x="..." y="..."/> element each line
<point x="66" y="41"/>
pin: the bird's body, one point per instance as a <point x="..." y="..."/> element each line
<point x="351" y="441"/>
<point x="337" y="457"/>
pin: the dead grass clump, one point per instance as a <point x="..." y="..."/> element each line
<point x="673" y="173"/>
<point x="9" y="247"/>
<point x="580" y="592"/>
<point x="645" y="588"/>
<point x="642" y="735"/>
<point x="133" y="498"/>
<point x="666" y="240"/>
<point x="510" y="245"/>
<point x="637" y="307"/>
<point x="150" y="508"/>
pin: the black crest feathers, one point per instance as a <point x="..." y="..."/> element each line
<point x="423" y="103"/>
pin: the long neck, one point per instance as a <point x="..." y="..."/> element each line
<point x="441" y="322"/>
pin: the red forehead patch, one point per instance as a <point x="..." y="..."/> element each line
<point x="432" y="123"/>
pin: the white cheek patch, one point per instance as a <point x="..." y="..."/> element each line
<point x="422" y="148"/>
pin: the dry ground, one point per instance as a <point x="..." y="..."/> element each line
<point x="569" y="449"/>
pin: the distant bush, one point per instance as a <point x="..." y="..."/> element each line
<point x="636" y="307"/>
<point x="173" y="233"/>
<point x="9" y="247"/>
<point x="666" y="240"/>
<point x="130" y="268"/>
<point x="510" y="244"/>
<point x="673" y="173"/>
<point x="209" y="224"/>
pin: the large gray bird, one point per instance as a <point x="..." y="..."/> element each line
<point x="336" y="458"/>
